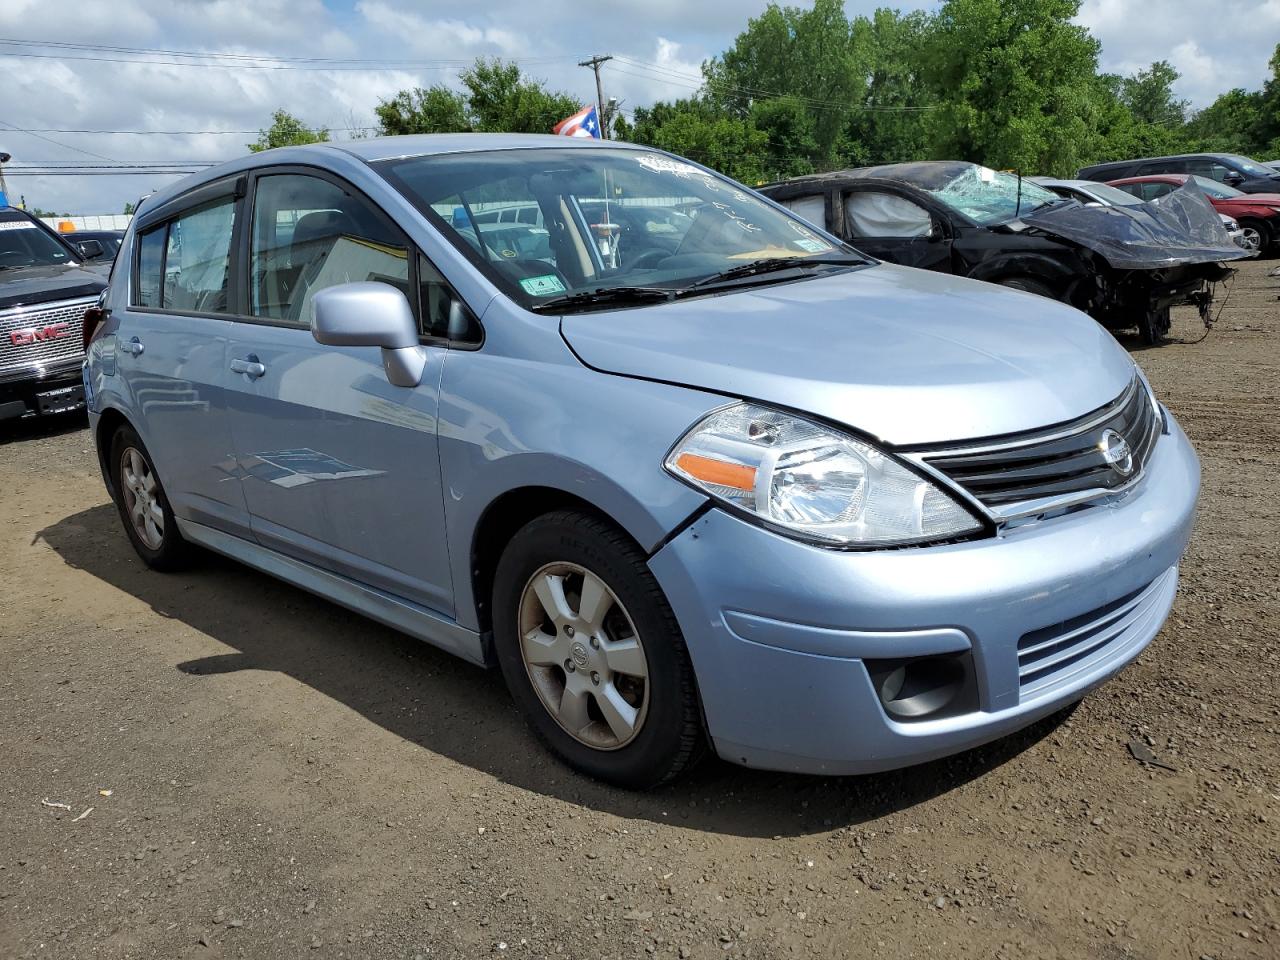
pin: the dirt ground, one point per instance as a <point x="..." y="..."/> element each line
<point x="287" y="779"/>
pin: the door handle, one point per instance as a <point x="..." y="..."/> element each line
<point x="249" y="366"/>
<point x="133" y="346"/>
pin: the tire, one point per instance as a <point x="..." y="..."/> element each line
<point x="1028" y="285"/>
<point x="1261" y="239"/>
<point x="1255" y="236"/>
<point x="561" y="670"/>
<point x="137" y="490"/>
<point x="1154" y="327"/>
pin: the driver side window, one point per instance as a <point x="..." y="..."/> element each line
<point x="309" y="234"/>
<point x="873" y="214"/>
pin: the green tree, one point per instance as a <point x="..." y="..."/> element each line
<point x="129" y="208"/>
<point x="287" y="130"/>
<point x="1014" y="81"/>
<point x="495" y="98"/>
<point x="1149" y="96"/>
<point x="499" y="99"/>
<point x="812" y="55"/>
<point x="790" y="129"/>
<point x="435" y="110"/>
<point x="892" y="124"/>
<point x="701" y="131"/>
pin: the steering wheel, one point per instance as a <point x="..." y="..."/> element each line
<point x="648" y="259"/>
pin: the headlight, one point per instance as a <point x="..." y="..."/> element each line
<point x="814" y="482"/>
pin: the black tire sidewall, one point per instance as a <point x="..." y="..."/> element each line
<point x="1028" y="285"/>
<point x="174" y="552"/>
<point x="662" y="747"/>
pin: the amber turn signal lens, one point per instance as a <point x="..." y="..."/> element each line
<point x="718" y="472"/>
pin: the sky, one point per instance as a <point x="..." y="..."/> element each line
<point x="659" y="46"/>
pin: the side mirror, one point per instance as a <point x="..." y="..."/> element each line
<point x="1233" y="179"/>
<point x="370" y="314"/>
<point x="90" y="249"/>
<point x="936" y="232"/>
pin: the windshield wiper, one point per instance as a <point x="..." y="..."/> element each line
<point x="773" y="265"/>
<point x="604" y="297"/>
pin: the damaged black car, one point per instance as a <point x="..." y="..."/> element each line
<point x="1124" y="266"/>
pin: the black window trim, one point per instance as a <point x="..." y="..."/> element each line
<point x="242" y="188"/>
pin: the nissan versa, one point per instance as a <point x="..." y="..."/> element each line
<point x="690" y="471"/>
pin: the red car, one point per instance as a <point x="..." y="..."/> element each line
<point x="1258" y="213"/>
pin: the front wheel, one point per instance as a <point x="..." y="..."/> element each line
<point x="1254" y="237"/>
<point x="592" y="653"/>
<point x="1028" y="285"/>
<point x="1155" y="326"/>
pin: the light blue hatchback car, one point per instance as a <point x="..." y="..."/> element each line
<point x="690" y="471"/>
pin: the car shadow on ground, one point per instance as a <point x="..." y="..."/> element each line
<point x="464" y="713"/>
<point x="51" y="425"/>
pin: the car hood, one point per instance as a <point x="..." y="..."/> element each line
<point x="1182" y="227"/>
<point x="908" y="356"/>
<point x="23" y="286"/>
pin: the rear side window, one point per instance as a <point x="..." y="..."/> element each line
<point x="197" y="259"/>
<point x="812" y="208"/>
<point x="309" y="234"/>
<point x="150" y="267"/>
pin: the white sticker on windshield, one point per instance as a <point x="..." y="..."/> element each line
<point x="813" y="246"/>
<point x="661" y="164"/>
<point x="542" y="286"/>
<point x="17" y="225"/>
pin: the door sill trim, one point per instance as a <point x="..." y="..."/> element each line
<point x="392" y="611"/>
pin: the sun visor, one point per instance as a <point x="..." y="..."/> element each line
<point x="1179" y="228"/>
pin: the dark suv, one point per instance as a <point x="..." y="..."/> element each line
<point x="44" y="292"/>
<point x="1244" y="174"/>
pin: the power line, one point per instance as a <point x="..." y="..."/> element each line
<point x="65" y="146"/>
<point x="195" y="58"/>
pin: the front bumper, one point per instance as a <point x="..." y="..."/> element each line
<point x="41" y="391"/>
<point x="779" y="631"/>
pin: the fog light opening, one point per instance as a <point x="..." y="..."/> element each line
<point x="920" y="687"/>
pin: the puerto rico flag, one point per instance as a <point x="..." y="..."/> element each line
<point x="584" y="123"/>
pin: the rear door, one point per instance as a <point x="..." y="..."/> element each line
<point x="341" y="469"/>
<point x="171" y="351"/>
<point x="895" y="226"/>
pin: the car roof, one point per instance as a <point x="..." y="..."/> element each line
<point x="376" y="149"/>
<point x="913" y="173"/>
<point x="1172" y="156"/>
<point x="1154" y="178"/>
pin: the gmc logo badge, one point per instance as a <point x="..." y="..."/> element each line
<point x="55" y="331"/>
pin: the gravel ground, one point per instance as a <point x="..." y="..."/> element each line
<point x="249" y="771"/>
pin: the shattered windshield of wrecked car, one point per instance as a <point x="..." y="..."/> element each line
<point x="989" y="196"/>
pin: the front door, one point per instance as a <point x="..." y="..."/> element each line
<point x="341" y="469"/>
<point x="171" y="354"/>
<point x="893" y="227"/>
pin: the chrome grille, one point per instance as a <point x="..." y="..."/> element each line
<point x="1063" y="462"/>
<point x="42" y="335"/>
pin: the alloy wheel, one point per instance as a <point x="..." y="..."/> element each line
<point x="141" y="498"/>
<point x="584" y="656"/>
<point x="1251" y="238"/>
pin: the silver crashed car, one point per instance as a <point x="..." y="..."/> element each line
<point x="691" y="472"/>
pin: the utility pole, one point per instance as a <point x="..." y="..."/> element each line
<point x="594" y="64"/>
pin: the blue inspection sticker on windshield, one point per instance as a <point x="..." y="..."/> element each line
<point x="813" y="246"/>
<point x="542" y="286"/>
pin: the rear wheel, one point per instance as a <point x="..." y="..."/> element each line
<point x="144" y="508"/>
<point x="592" y="653"/>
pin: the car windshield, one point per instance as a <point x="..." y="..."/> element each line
<point x="989" y="196"/>
<point x="1251" y="167"/>
<point x="23" y="243"/>
<point x="551" y="222"/>
<point x="1219" y="191"/>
